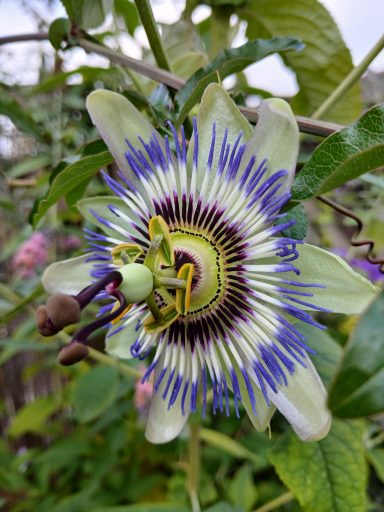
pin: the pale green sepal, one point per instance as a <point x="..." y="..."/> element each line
<point x="216" y="107"/>
<point x="303" y="403"/>
<point x="276" y="138"/>
<point x="346" y="291"/>
<point x="119" y="344"/>
<point x="264" y="412"/>
<point x="117" y="120"/>
<point x="163" y="424"/>
<point x="68" y="276"/>
<point x="100" y="206"/>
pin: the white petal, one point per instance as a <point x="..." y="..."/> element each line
<point x="276" y="137"/>
<point x="216" y="107"/>
<point x="164" y="424"/>
<point x="124" y="223"/>
<point x="117" y="120"/>
<point x="304" y="403"/>
<point x="68" y="276"/>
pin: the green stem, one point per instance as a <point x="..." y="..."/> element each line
<point x="271" y="505"/>
<point x="102" y="358"/>
<point x="154" y="308"/>
<point x="124" y="369"/>
<point x="152" y="72"/>
<point x="194" y="466"/>
<point x="349" y="80"/>
<point x="219" y="30"/>
<point x="148" y="20"/>
<point x="20" y="302"/>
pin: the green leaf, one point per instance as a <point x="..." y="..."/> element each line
<point x="299" y="229"/>
<point x="328" y="476"/>
<point x="188" y="63"/>
<point x="145" y="507"/>
<point x="128" y="12"/>
<point x="88" y="74"/>
<point x="184" y="48"/>
<point x="9" y="107"/>
<point x="229" y="445"/>
<point x="242" y="490"/>
<point x="65" y="179"/>
<point x="94" y="392"/>
<point x="58" y="32"/>
<point x="358" y="387"/>
<point x="29" y="165"/>
<point x="87" y="13"/>
<point x="376" y="458"/>
<point x="222" y="506"/>
<point x="325" y="60"/>
<point x="343" y="156"/>
<point x="226" y="63"/>
<point x="33" y="416"/>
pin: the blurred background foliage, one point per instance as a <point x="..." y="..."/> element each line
<point x="73" y="437"/>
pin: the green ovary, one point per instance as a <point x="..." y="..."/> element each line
<point x="208" y="267"/>
<point x="137" y="282"/>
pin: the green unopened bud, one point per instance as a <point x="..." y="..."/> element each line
<point x="137" y="282"/>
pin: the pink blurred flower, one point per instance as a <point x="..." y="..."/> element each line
<point x="32" y="254"/>
<point x="143" y="395"/>
<point x="70" y="243"/>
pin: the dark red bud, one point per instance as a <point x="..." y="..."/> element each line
<point x="44" y="326"/>
<point x="63" y="310"/>
<point x="72" y="353"/>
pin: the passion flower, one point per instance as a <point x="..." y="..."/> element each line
<point x="202" y="278"/>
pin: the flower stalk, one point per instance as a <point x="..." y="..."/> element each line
<point x="148" y="20"/>
<point x="194" y="465"/>
<point x="277" y="502"/>
<point x="349" y="80"/>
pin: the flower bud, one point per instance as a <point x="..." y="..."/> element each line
<point x="63" y="310"/>
<point x="44" y="326"/>
<point x="72" y="353"/>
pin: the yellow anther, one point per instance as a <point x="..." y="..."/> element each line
<point x="183" y="295"/>
<point x="158" y="227"/>
<point x="115" y="306"/>
<point x="168" y="315"/>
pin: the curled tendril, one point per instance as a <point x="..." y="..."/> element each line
<point x="354" y="241"/>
